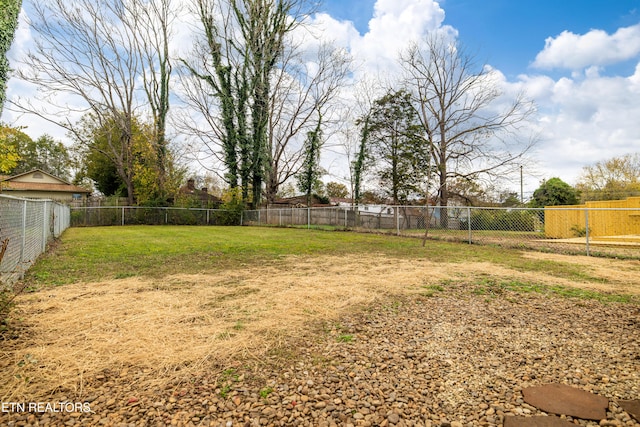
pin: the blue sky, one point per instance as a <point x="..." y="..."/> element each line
<point x="509" y="33"/>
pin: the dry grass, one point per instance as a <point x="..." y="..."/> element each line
<point x="618" y="276"/>
<point x="197" y="322"/>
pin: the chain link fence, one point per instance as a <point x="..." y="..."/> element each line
<point x="135" y="215"/>
<point x="609" y="232"/>
<point x="27" y="226"/>
<point x="589" y="231"/>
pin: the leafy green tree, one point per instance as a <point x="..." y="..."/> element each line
<point x="10" y="139"/>
<point x="8" y="24"/>
<point x="46" y="154"/>
<point x="554" y="192"/>
<point x="337" y="190"/>
<point x="509" y="199"/>
<point x="121" y="165"/>
<point x="230" y="212"/>
<point x="469" y="191"/>
<point x="104" y="174"/>
<point x="396" y="145"/>
<point x="8" y="157"/>
<point x="155" y="182"/>
<point x="98" y="166"/>
<point x="103" y="139"/>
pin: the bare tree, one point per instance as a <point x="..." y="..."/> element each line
<point x="352" y="131"/>
<point x="300" y="97"/>
<point x="471" y="131"/>
<point x="88" y="60"/>
<point x="151" y="23"/>
<point x="611" y="179"/>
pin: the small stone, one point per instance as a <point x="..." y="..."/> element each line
<point x="393" y="418"/>
<point x="610" y="423"/>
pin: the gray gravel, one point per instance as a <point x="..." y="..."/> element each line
<point x="452" y="359"/>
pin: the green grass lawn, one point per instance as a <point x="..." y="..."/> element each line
<point x="103" y="253"/>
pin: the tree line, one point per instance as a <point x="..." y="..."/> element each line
<point x="258" y="99"/>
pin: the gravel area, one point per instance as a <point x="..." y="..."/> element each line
<point x="452" y="357"/>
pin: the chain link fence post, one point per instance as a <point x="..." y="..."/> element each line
<point x="586" y="231"/>
<point x="469" y="224"/>
<point x="45" y="225"/>
<point x="23" y="232"/>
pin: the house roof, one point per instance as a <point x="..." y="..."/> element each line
<point x="14" y="183"/>
<point x="202" y="194"/>
<point x="36" y="186"/>
<point x="298" y="201"/>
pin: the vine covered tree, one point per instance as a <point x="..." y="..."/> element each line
<point x="363" y="159"/>
<point x="258" y="92"/>
<point x="243" y="41"/>
<point x="151" y="23"/>
<point x="311" y="171"/>
<point x="8" y="23"/>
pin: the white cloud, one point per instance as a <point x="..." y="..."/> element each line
<point x="394" y="25"/>
<point x="584" y="120"/>
<point x="324" y="27"/>
<point x="574" y="51"/>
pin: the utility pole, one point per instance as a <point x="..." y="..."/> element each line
<point x="521" y="187"/>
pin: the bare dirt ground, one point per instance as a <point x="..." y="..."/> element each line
<point x="220" y="350"/>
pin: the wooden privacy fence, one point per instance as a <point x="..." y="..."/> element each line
<point x="597" y="218"/>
